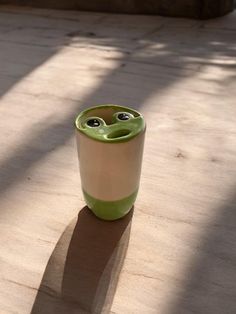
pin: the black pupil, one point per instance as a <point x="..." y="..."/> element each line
<point x="93" y="123"/>
<point x="123" y="116"/>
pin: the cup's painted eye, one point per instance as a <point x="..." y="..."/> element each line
<point x="93" y="123"/>
<point x="123" y="116"/>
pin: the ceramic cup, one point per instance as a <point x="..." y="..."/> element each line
<point x="110" y="143"/>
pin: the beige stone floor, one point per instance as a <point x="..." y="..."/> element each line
<point x="176" y="253"/>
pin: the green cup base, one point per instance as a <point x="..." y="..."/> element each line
<point x="110" y="210"/>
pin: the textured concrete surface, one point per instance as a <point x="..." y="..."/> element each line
<point x="201" y="9"/>
<point x="175" y="253"/>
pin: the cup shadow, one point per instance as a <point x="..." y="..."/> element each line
<point x="83" y="270"/>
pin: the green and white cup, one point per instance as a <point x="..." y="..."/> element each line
<point x="110" y="143"/>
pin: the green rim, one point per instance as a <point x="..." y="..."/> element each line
<point x="111" y="210"/>
<point x="114" y="130"/>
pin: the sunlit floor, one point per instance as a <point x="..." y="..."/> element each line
<point x="176" y="253"/>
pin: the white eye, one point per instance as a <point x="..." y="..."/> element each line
<point x="123" y="116"/>
<point x="93" y="123"/>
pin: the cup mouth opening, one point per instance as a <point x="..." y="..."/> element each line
<point x="119" y="133"/>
